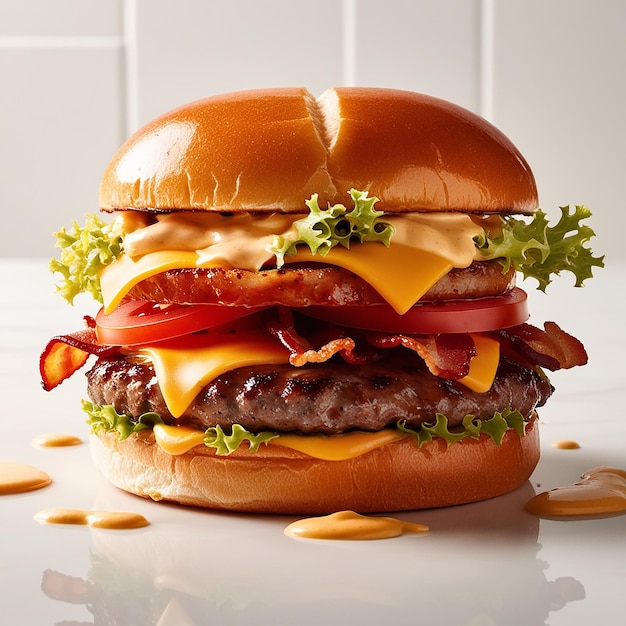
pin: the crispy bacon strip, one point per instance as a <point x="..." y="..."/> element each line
<point x="329" y="339"/>
<point x="285" y="331"/>
<point x="446" y="356"/>
<point x="551" y="348"/>
<point x="344" y="346"/>
<point x="66" y="354"/>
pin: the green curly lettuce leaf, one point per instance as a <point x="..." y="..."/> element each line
<point x="85" y="250"/>
<point x="495" y="427"/>
<point x="106" y="418"/>
<point x="539" y="250"/>
<point x="223" y="443"/>
<point x="323" y="229"/>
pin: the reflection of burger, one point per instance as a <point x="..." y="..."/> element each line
<point x="182" y="573"/>
<point x="309" y="305"/>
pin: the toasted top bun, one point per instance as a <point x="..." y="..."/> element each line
<point x="269" y="150"/>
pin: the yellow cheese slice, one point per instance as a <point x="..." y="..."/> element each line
<point x="118" y="278"/>
<point x="484" y="365"/>
<point x="338" y="447"/>
<point x="177" y="439"/>
<point x="401" y="274"/>
<point x="183" y="366"/>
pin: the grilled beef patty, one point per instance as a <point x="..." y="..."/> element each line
<point x="328" y="399"/>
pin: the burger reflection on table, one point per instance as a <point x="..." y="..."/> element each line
<point x="194" y="574"/>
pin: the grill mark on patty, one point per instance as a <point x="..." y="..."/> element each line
<point x="328" y="399"/>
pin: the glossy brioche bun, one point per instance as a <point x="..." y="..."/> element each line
<point x="397" y="476"/>
<point x="269" y="150"/>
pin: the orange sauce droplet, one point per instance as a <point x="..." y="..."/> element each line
<point x="96" y="519"/>
<point x="600" y="491"/>
<point x="56" y="440"/>
<point x="566" y="444"/>
<point x="351" y="525"/>
<point x="19" y="478"/>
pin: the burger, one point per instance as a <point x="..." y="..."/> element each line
<point x="309" y="305"/>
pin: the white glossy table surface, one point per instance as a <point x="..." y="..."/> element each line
<point x="480" y="565"/>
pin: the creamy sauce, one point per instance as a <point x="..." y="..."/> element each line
<point x="242" y="240"/>
<point x="238" y="240"/>
<point x="56" y="440"/>
<point x="450" y="235"/>
<point x="19" y="478"/>
<point x="566" y="444"/>
<point x="96" y="519"/>
<point x="601" y="491"/>
<point x="351" y="525"/>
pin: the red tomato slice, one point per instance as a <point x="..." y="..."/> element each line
<point x="455" y="316"/>
<point x="139" y="322"/>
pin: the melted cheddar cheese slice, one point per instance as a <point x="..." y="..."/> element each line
<point x="484" y="365"/>
<point x="338" y="447"/>
<point x="117" y="279"/>
<point x="401" y="274"/>
<point x="177" y="440"/>
<point x="183" y="366"/>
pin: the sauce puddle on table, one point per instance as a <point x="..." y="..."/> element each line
<point x="350" y="525"/>
<point x="20" y="478"/>
<point x="118" y="520"/>
<point x="566" y="444"/>
<point x="600" y="491"/>
<point x="56" y="440"/>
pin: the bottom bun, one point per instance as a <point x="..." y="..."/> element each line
<point x="398" y="476"/>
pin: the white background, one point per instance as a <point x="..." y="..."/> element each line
<point x="78" y="76"/>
